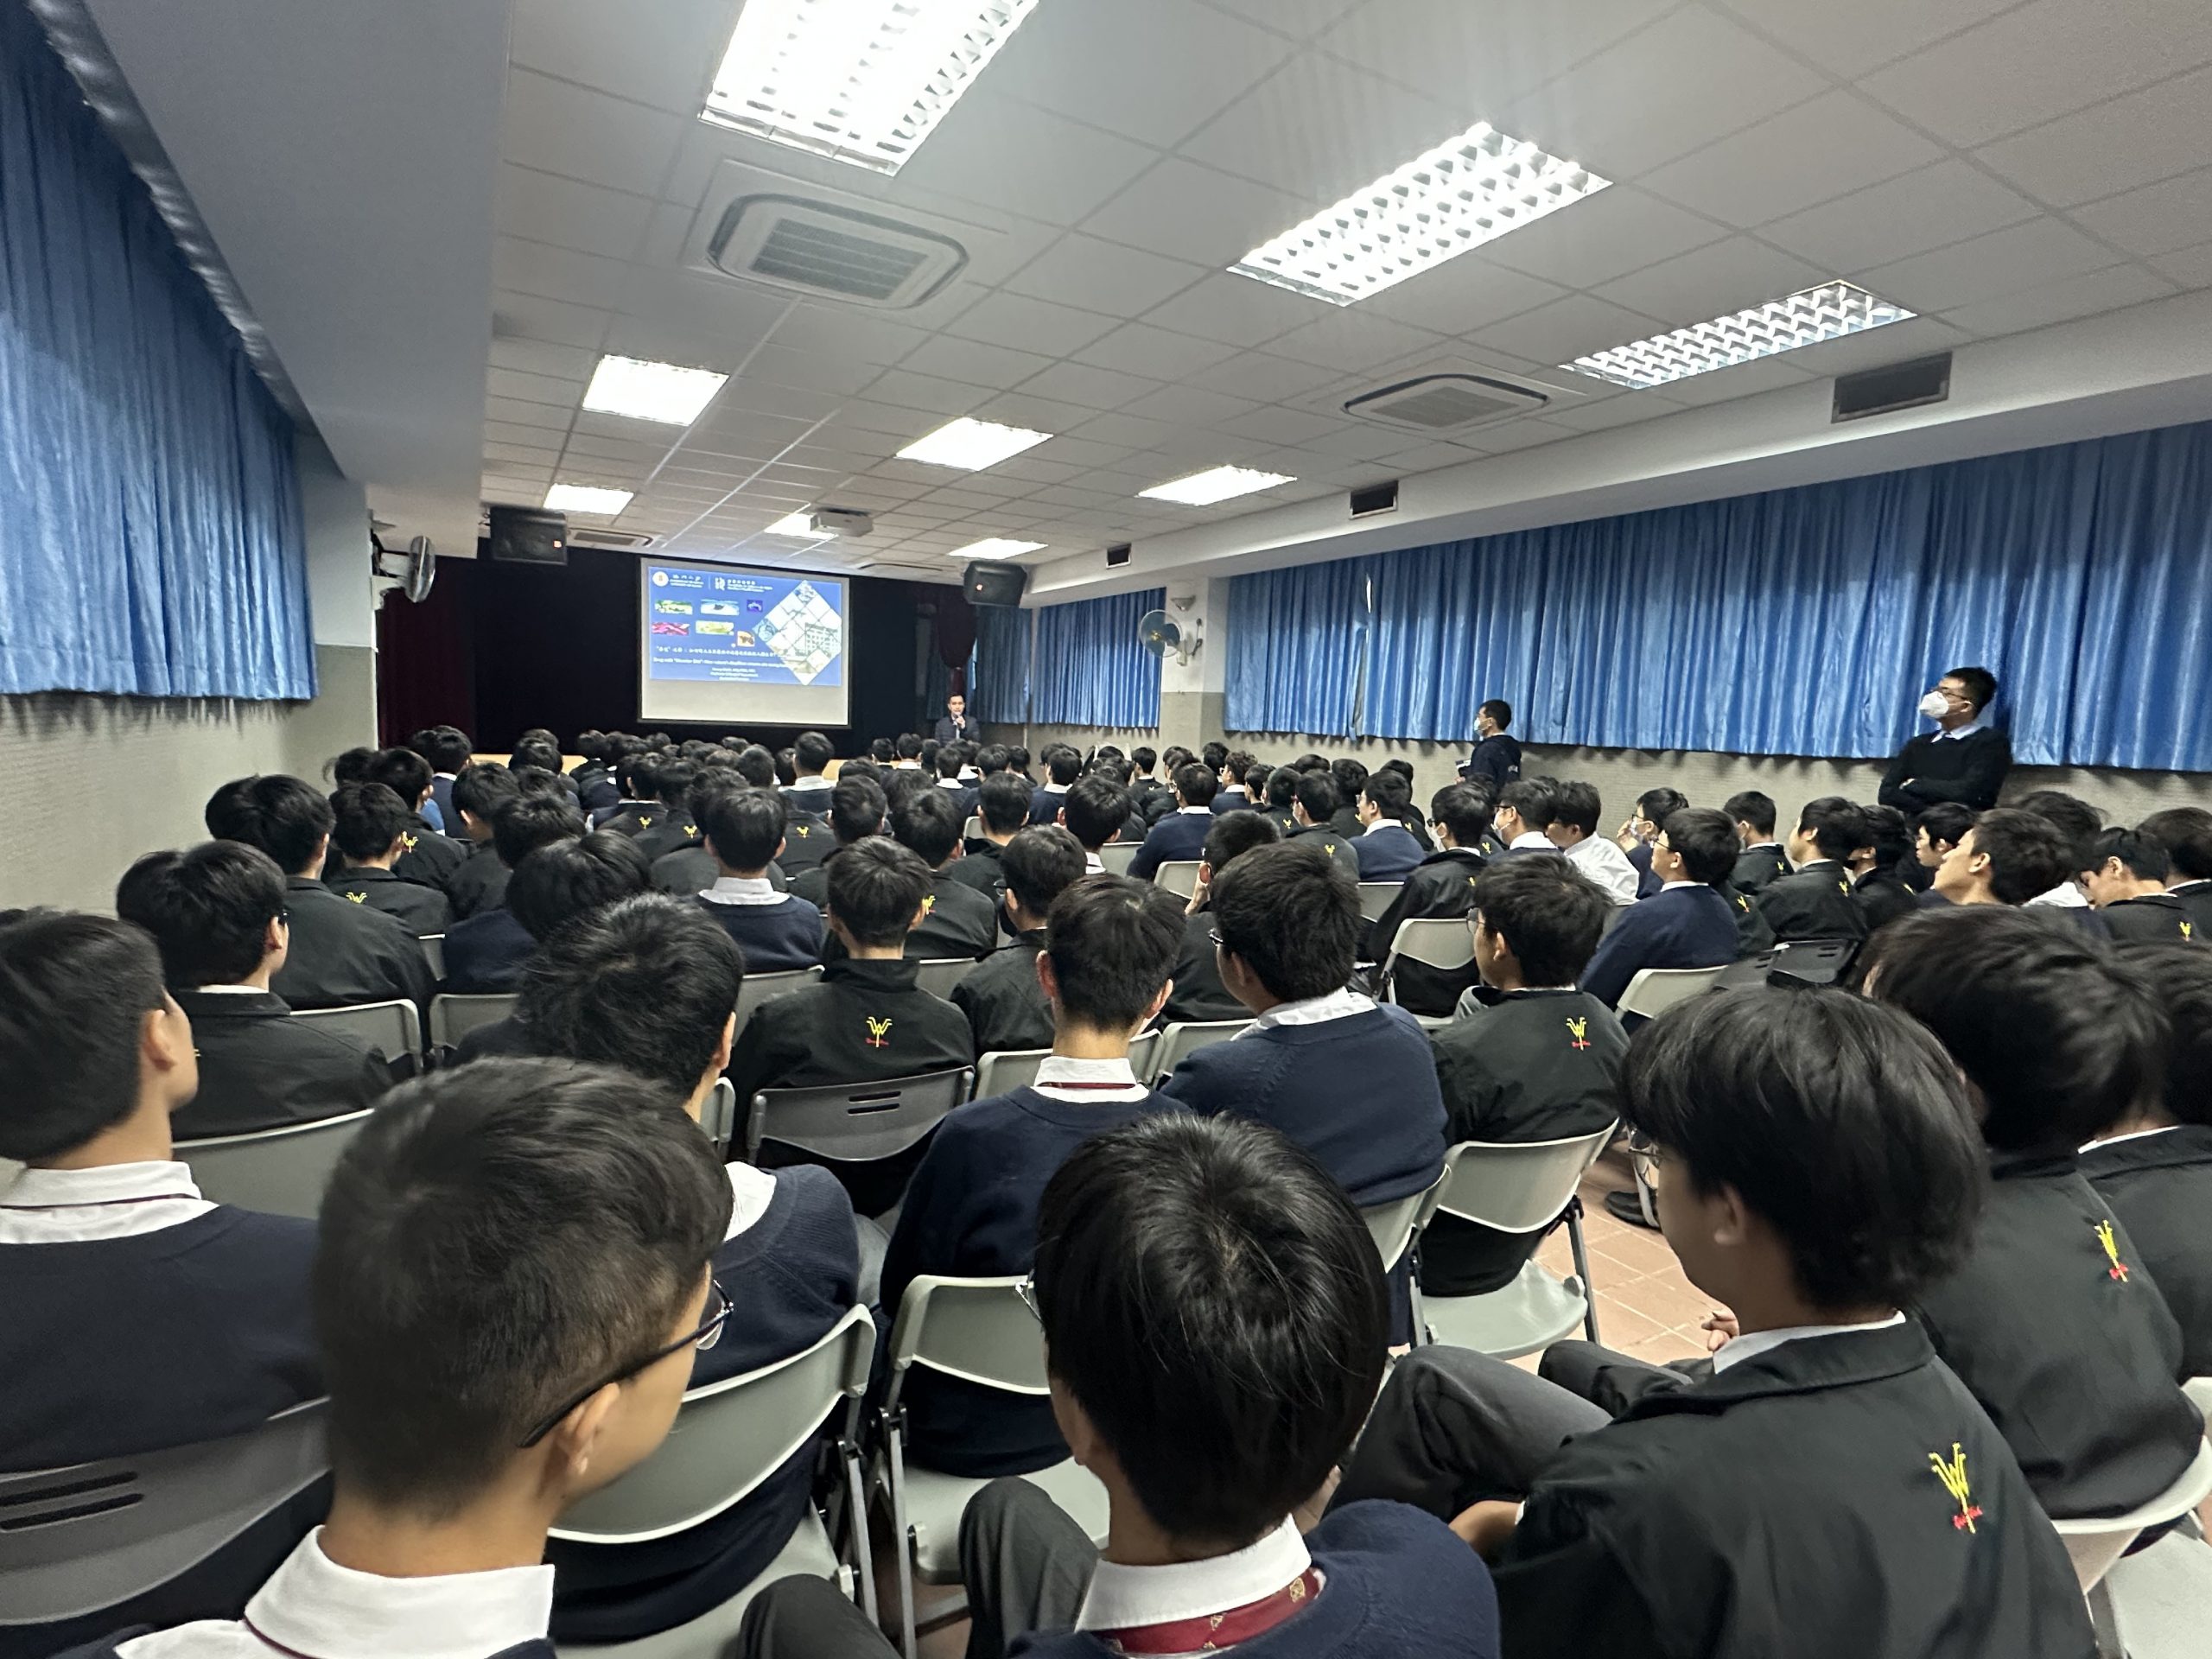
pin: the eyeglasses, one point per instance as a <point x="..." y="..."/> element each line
<point x="709" y="1332"/>
<point x="1648" y="1153"/>
<point x="1027" y="1291"/>
<point x="1214" y="935"/>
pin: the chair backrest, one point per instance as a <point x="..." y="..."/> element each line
<point x="279" y="1172"/>
<point x="1396" y="1225"/>
<point x="1143" y="1050"/>
<point x="2199" y="1390"/>
<point x="1375" y="897"/>
<point x="974" y="828"/>
<point x="1444" y="943"/>
<point x="718" y="1118"/>
<point x="939" y="975"/>
<point x="1655" y="990"/>
<point x="2094" y="1543"/>
<point x="434" y="952"/>
<point x="1178" y="1041"/>
<point x="79" y="1540"/>
<point x="1179" y="876"/>
<point x="452" y="1018"/>
<point x="1813" y="962"/>
<point x="977" y="1329"/>
<point x="393" y="1026"/>
<point x="728" y="1438"/>
<point x="1118" y="855"/>
<point x="1517" y="1188"/>
<point x="1011" y="1069"/>
<point x="765" y="987"/>
<point x="856" y="1123"/>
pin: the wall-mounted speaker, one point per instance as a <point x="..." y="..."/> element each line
<point x="1376" y="498"/>
<point x="1900" y="385"/>
<point x="529" y="535"/>
<point x="991" y="583"/>
<point x="1117" y="556"/>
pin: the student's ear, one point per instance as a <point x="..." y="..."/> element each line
<point x="276" y="941"/>
<point x="921" y="915"/>
<point x="1158" y="1002"/>
<point x="165" y="1047"/>
<point x="1732" y="1219"/>
<point x="782" y="842"/>
<point x="576" y="1439"/>
<point x="1076" y="1427"/>
<point x="1060" y="818"/>
<point x="1047" y="980"/>
<point x="729" y="1041"/>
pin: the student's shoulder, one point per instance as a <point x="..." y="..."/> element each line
<point x="1416" y="1567"/>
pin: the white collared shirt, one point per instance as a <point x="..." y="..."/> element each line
<point x="75" y="1206"/>
<point x="743" y="890"/>
<point x="1232" y="789"/>
<point x="2133" y="1134"/>
<point x="1531" y="838"/>
<point x="752" y="1191"/>
<point x="948" y="782"/>
<point x="1977" y="724"/>
<point x="1197" y="811"/>
<point x="1751" y="1346"/>
<point x="1052" y="789"/>
<point x="1122" y="1597"/>
<point x="312" y="1606"/>
<point x="1669" y="887"/>
<point x="1391" y="823"/>
<point x="2065" y="896"/>
<point x="1606" y="865"/>
<point x="1092" y="864"/>
<point x="1315" y="1010"/>
<point x="233" y="990"/>
<point x="1055" y="1071"/>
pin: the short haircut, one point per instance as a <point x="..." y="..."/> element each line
<point x="1837" y="826"/>
<point x="521" y="827"/>
<point x="1657" y="806"/>
<point x="2077" y="820"/>
<point x="756" y="767"/>
<point x="1312" y="761"/>
<point x="1532" y="798"/>
<point x="286" y="817"/>
<point x="1705" y="840"/>
<point x="447" y="748"/>
<point x="571" y="877"/>
<point x="404" y="772"/>
<point x="909" y="746"/>
<point x="647" y="982"/>
<point x="1839" y="1123"/>
<point x="498" y="1237"/>
<point x="535" y="752"/>
<point x="1094" y="809"/>
<point x="1197" y="783"/>
<point x="1550" y="915"/>
<point x="1575" y="803"/>
<point x="1499" y="711"/>
<point x="813" y="752"/>
<point x="1947" y="821"/>
<point x="2140" y="855"/>
<point x="901" y="783"/>
<point x="2186" y="834"/>
<point x="991" y="759"/>
<point x="1464" y="809"/>
<point x="2183" y="974"/>
<point x="1892" y="836"/>
<point x="928" y="822"/>
<point x="482" y="791"/>
<point x="1064" y="764"/>
<point x="1317" y="793"/>
<point x="1389" y="792"/>
<point x="1981" y="685"/>
<point x="950" y="758"/>
<point x="351" y="766"/>
<point x="1752" y="806"/>
<point x="208" y="909"/>
<point x="1145" y="757"/>
<point x="1351" y="776"/>
<point x="930" y="749"/>
<point x="1175" y="756"/>
<point x="74" y="993"/>
<point x="1292" y="913"/>
<point x="672" y="784"/>
<point x="1282" y="785"/>
<point x="1214" y="755"/>
<point x="1113" y="941"/>
<point x="1040" y="864"/>
<point x="876" y="887"/>
<point x="2060" y="1039"/>
<point x="1215" y="1304"/>
<point x="743" y="827"/>
<point x="366" y="818"/>
<point x="1234" y="833"/>
<point x="1017" y="756"/>
<point x="2027" y="854"/>
<point x="1004" y="802"/>
<point x="882" y="750"/>
<point x="856" y="809"/>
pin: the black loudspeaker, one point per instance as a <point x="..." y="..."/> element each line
<point x="529" y="535"/>
<point x="991" y="583"/>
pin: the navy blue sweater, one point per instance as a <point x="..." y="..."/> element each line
<point x="1387" y="854"/>
<point x="775" y="938"/>
<point x="485" y="954"/>
<point x="1177" y="838"/>
<point x="1686" y="927"/>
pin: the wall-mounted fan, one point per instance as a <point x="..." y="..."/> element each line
<point x="1161" y="636"/>
<point x="415" y="576"/>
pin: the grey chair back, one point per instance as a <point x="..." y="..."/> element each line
<point x="452" y="1018"/>
<point x="858" y="1122"/>
<point x="1118" y="855"/>
<point x="1444" y="943"/>
<point x="1375" y="897"/>
<point x="434" y="952"/>
<point x="1396" y="1225"/>
<point x="1178" y="1041"/>
<point x="1179" y="876"/>
<point x="939" y="975"/>
<point x="393" y="1028"/>
<point x="974" y="828"/>
<point x="279" y="1172"/>
<point x="718" y="1118"/>
<point x="765" y="987"/>
<point x="1655" y="990"/>
<point x="1003" y="1073"/>
<point x="977" y="1329"/>
<point x="1517" y="1188"/>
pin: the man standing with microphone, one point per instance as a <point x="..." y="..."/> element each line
<point x="1965" y="760"/>
<point x="953" y="728"/>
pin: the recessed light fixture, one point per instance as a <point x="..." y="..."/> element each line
<point x="800" y="523"/>
<point x="863" y="81"/>
<point x="1220" y="484"/>
<point x="994" y="547"/>
<point x="587" y="497"/>
<point x="971" y="445"/>
<point x="1828" y="312"/>
<point x="1470" y="190"/>
<point x="652" y="391"/>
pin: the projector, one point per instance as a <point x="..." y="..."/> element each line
<point x="840" y="521"/>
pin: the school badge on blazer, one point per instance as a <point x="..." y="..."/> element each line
<point x="1953" y="1474"/>
<point x="928" y="903"/>
<point x="407" y="840"/>
<point x="357" y="897"/>
<point x="1579" y="1030"/>
<point x="879" y="1031"/>
<point x="2106" y="1238"/>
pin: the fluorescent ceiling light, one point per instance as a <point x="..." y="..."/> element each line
<point x="587" y="497"/>
<point x="1828" y="312"/>
<point x="1470" y="190"/>
<point x="972" y="445"/>
<point x="863" y="81"/>
<point x="800" y="523"/>
<point x="1221" y="483"/>
<point x="994" y="547"/>
<point x="652" y="391"/>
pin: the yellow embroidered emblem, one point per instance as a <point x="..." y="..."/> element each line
<point x="1579" y="1030"/>
<point x="357" y="897"/>
<point x="804" y="830"/>
<point x="878" y="1033"/>
<point x="2188" y="930"/>
<point x="645" y="823"/>
<point x="407" y="840"/>
<point x="1953" y="1474"/>
<point x="690" y="829"/>
<point x="928" y="903"/>
<point x="2111" y="1242"/>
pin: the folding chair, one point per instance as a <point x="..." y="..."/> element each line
<point x="1118" y="855"/>
<point x="1375" y="897"/>
<point x="1004" y="1073"/>
<point x="1519" y="1188"/>
<point x="1655" y="990"/>
<point x="718" y="1118"/>
<point x="2094" y="1544"/>
<point x="940" y="973"/>
<point x="848" y="1125"/>
<point x="765" y="987"/>
<point x="1179" y="876"/>
<point x="279" y="1172"/>
<point x="1142" y="1048"/>
<point x="434" y="952"/>
<point x="1184" y="1038"/>
<point x="1396" y="1227"/>
<point x="728" y="1438"/>
<point x="452" y="1018"/>
<point x="974" y="828"/>
<point x="1444" y="943"/>
<point x="979" y="1331"/>
<point x="393" y="1028"/>
<point x="79" y="1540"/>
<point x="1811" y="962"/>
<point x="2199" y="1390"/>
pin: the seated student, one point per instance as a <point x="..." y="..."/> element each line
<point x="1541" y="1063"/>
<point x="369" y="828"/>
<point x="475" y="1393"/>
<point x="1094" y="810"/>
<point x="2006" y="857"/>
<point x="779" y="932"/>
<point x="341" y="953"/>
<point x="1182" y="833"/>
<point x="672" y="826"/>
<point x="2053" y="1321"/>
<point x="1063" y="765"/>
<point x="1525" y="810"/>
<point x="2125" y="880"/>
<point x="596" y="786"/>
<point x="1385" y="851"/>
<point x="483" y="954"/>
<point x="538" y="749"/>
<point x="951" y="763"/>
<point x="481" y="882"/>
<point x="1196" y="992"/>
<point x="1829" y="1490"/>
<point x="1760" y="861"/>
<point x="810" y="792"/>
<point x="857" y="809"/>
<point x="691" y="869"/>
<point x="1934" y="832"/>
<point x="882" y="751"/>
<point x="2186" y="834"/>
<point x="1813" y="901"/>
<point x="2078" y="825"/>
<point x="971" y="1208"/>
<point x="1003" y="803"/>
<point x="429" y="857"/>
<point x="1313" y="808"/>
<point x="449" y="752"/>
<point x="1351" y="777"/>
<point x="1576" y="810"/>
<point x="1876" y="887"/>
<point x="1007" y="1007"/>
<point x="1281" y="795"/>
<point x="639" y="775"/>
<point x="1406" y="812"/>
<point x="219" y="915"/>
<point x="958" y="921"/>
<point x="1440" y="886"/>
<point x="1688" y="923"/>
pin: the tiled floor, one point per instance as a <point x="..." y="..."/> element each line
<point x="1646" y="1308"/>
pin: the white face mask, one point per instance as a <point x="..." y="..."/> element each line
<point x="1934" y="706"/>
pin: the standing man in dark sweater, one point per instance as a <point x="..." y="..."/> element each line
<point x="370" y="828"/>
<point x="1814" y="901"/>
<point x="1687" y="923"/>
<point x="1442" y="885"/>
<point x="1497" y="757"/>
<point x="1964" y="760"/>
<point x="1006" y="1004"/>
<point x="779" y="932"/>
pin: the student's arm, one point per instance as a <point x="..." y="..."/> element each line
<point x="1190" y="1084"/>
<point x="1385" y="928"/>
<point x="927" y="1214"/>
<point x="1148" y="859"/>
<point x="1895" y="779"/>
<point x="970" y="1004"/>
<point x="1572" y="1595"/>
<point x="1614" y="964"/>
<point x="1990" y="759"/>
<point x="754" y="1063"/>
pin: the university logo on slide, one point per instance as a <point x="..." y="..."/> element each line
<point x="660" y="578"/>
<point x="671" y="627"/>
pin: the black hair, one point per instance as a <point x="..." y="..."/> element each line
<point x="949" y="760"/>
<point x="1174" y="757"/>
<point x="1837" y="826"/>
<point x="1312" y="761"/>
<point x="1214" y="755"/>
<point x="672" y="784"/>
<point x="813" y="752"/>
<point x="497" y="1238"/>
<point x="928" y="822"/>
<point x="1389" y="792"/>
<point x="1706" y="842"/>
<point x="208" y="909"/>
<point x="743" y="827"/>
<point x="1040" y="864"/>
<point x="1752" y="806"/>
<point x="1234" y="833"/>
<point x="882" y="751"/>
<point x="1063" y="765"/>
<point x="482" y="791"/>
<point x="2077" y="820"/>
<point x="1839" y="1123"/>
<point x="350" y="766"/>
<point x="1499" y="711"/>
<point x="447" y="748"/>
<point x="1946" y="823"/>
<point x="1144" y="757"/>
<point x="1317" y="793"/>
<point x="645" y="983"/>
<point x="366" y="818"/>
<point x="521" y="827"/>
<point x="1532" y="798"/>
<point x="909" y="747"/>
<point x="1113" y="942"/>
<point x="573" y="876"/>
<point x="786" y="766"/>
<point x="286" y="817"/>
<point x="1017" y="756"/>
<point x="1462" y="809"/>
<point x="2183" y="974"/>
<point x="1575" y="803"/>
<point x="1980" y="684"/>
<point x="1351" y="776"/>
<point x="856" y="809"/>
<point x="990" y="759"/>
<point x="1282" y="785"/>
<point x="1657" y="806"/>
<point x="542" y="751"/>
<point x="756" y="767"/>
<point x="876" y="887"/>
<point x="2061" y="1039"/>
<point x="1094" y="809"/>
<point x="2186" y="834"/>
<point x="406" y="773"/>
<point x="899" y="784"/>
<point x="1197" y="783"/>
<point x="1215" y="1306"/>
<point x="1402" y="767"/>
<point x="74" y="993"/>
<point x="1892" y="834"/>
<point x="1004" y="801"/>
<point x="930" y="749"/>
<point x="2027" y="854"/>
<point x="2140" y="855"/>
<point x="1550" y="915"/>
<point x="1291" y="914"/>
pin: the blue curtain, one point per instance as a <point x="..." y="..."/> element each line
<point x="156" y="546"/>
<point x="1454" y="625"/>
<point x="1298" y="648"/>
<point x="1091" y="668"/>
<point x="998" y="693"/>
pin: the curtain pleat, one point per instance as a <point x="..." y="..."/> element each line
<point x="1298" y="648"/>
<point x="1000" y="693"/>
<point x="1092" y="669"/>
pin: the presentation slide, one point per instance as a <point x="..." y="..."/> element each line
<point x="739" y="648"/>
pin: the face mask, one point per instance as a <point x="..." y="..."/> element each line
<point x="1934" y="706"/>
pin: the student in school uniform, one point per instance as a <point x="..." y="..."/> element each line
<point x="971" y="1208"/>
<point x="1006" y="1006"/>
<point x="1828" y="1490"/>
<point x="957" y="919"/>
<point x="812" y="754"/>
<point x="2006" y="857"/>
<point x="951" y="763"/>
<point x="479" y="882"/>
<point x="1813" y="901"/>
<point x="1003" y="803"/>
<point x="370" y="826"/>
<point x="1876" y="887"/>
<point x="1094" y="810"/>
<point x="2186" y="834"/>
<point x="1934" y="832"/>
<point x="1688" y="923"/>
<point x="1213" y="1317"/>
<point x="485" y="953"/>
<point x="663" y="832"/>
<point x="1965" y="760"/>
<point x="1351" y="777"/>
<point x="1063" y="765"/>
<point x="1196" y="991"/>
<point x="1524" y="811"/>
<point x="1313" y="808"/>
<point x="857" y="809"/>
<point x="1577" y="810"/>
<point x="1182" y="833"/>
<point x="1761" y="863"/>
<point x="1440" y="886"/>
<point x="2053" y="1320"/>
<point x="1385" y="851"/>
<point x="2126" y="879"/>
<point x="1497" y="757"/>
<point x="449" y="752"/>
<point x="779" y="932"/>
<point x="430" y="856"/>
<point x="594" y="784"/>
<point x="1541" y="1063"/>
<point x="689" y="867"/>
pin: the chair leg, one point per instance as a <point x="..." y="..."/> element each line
<point x="856" y="1525"/>
<point x="1582" y="1269"/>
<point x="902" y="1534"/>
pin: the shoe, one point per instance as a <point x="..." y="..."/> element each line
<point x="1623" y="1206"/>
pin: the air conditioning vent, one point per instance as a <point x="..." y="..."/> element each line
<point x="580" y="537"/>
<point x="1444" y="403"/>
<point x="820" y="248"/>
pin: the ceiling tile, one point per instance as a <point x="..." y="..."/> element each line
<point x="1566" y="329"/>
<point x="1320" y="129"/>
<point x="539" y="357"/>
<point x="1038" y="414"/>
<point x="1354" y="340"/>
<point x="1832" y="144"/>
<point x="558" y="127"/>
<point x="2115" y="146"/>
<point x="2159" y="219"/>
<point x="544" y="207"/>
<point x="2003" y="262"/>
<point x="1605" y="236"/>
<point x="1712" y="282"/>
<point x="814" y="370"/>
<point x="658" y="52"/>
<point x="1189" y="406"/>
<point x="1080" y="452"/>
<point x="1527" y="433"/>
<point x="1189" y="212"/>
<point x="525" y="317"/>
<point x="1139" y="348"/>
<point x="1851" y="39"/>
<point x="1358" y="442"/>
<point x="1280" y="425"/>
<point x="1432" y="457"/>
<point x="973" y="360"/>
<point x="517" y="412"/>
<point x="1151" y="70"/>
<point x="1477" y="55"/>
<point x="731" y="315"/>
<point x="533" y="388"/>
<point x="1874" y="349"/>
<point x="1104" y="276"/>
<point x="1263" y="378"/>
<point x="1463" y="294"/>
<point x="847" y="332"/>
<point x="908" y="390"/>
<point x="1236" y="310"/>
<point x="1031" y="325"/>
<point x="1023" y="160"/>
<point x="1948" y="202"/>
<point x="548" y="272"/>
<point x="1091" y="387"/>
<point x="2191" y="267"/>
<point x="1301" y="19"/>
<point x="1598" y="414"/>
<point x="1128" y="431"/>
<point x="2055" y="303"/>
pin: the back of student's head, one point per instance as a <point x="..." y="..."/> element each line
<point x="909" y="746"/>
<point x="2186" y="834"/>
<point x="2142" y="856"/>
<point x="1389" y="792"/>
<point x="647" y="982"/>
<point x="1549" y="914"/>
<point x="1232" y="835"/>
<point x="991" y="760"/>
<point x="875" y="887"/>
<point x="1018" y="757"/>
<point x="856" y="809"/>
<point x="1575" y="804"/>
<point x="1040" y="864"/>
<point x="445" y="747"/>
<point x="756" y="765"/>
<point x="882" y="751"/>
<point x="350" y="766"/>
<point x="207" y="907"/>
<point x="286" y="817"/>
<point x="2076" y="820"/>
<point x="2028" y="854"/>
<point x="1837" y="827"/>
<point x="497" y="1240"/>
<point x="786" y="766"/>
<point x="1004" y="802"/>
<point x="1946" y="823"/>
<point x="366" y="818"/>
<point x="928" y="822"/>
<point x="743" y="826"/>
<point x="482" y="791"/>
<point x="1282" y="786"/>
<point x="1351" y="776"/>
<point x="2183" y="974"/>
<point x="404" y="772"/>
<point x="637" y="773"/>
<point x="1464" y="811"/>
<point x="1291" y="914"/>
<point x="534" y="750"/>
<point x="1094" y="809"/>
<point x="1196" y="784"/>
<point x="1215" y="755"/>
<point x="1705" y="840"/>
<point x="74" y="993"/>
<point x="1836" y="1121"/>
<point x="1752" y="807"/>
<point x="1532" y="798"/>
<point x="1215" y="1304"/>
<point x="949" y="760"/>
<point x="2060" y="1037"/>
<point x="1063" y="765"/>
<point x="1889" y="833"/>
<point x="1175" y="757"/>
<point x="672" y="784"/>
<point x="1317" y="793"/>
<point x="1112" y="942"/>
<point x="1144" y="757"/>
<point x="521" y="826"/>
<point x="898" y="785"/>
<point x="813" y="752"/>
<point x="554" y="884"/>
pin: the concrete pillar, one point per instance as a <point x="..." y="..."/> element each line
<point x="1191" y="702"/>
<point x="341" y="598"/>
